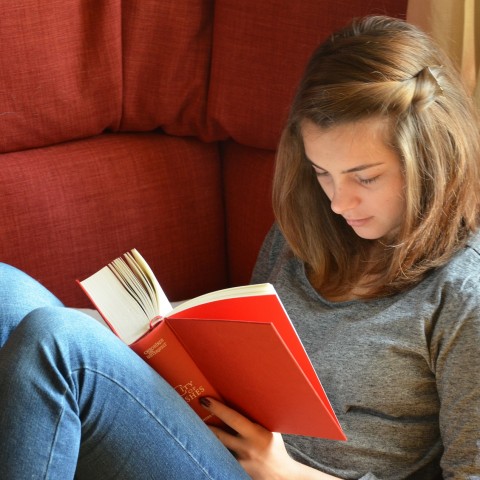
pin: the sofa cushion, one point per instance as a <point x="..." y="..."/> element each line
<point x="68" y="210"/>
<point x="72" y="69"/>
<point x="260" y="49"/>
<point x="61" y="70"/>
<point x="166" y="57"/>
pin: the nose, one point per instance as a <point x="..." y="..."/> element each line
<point x="343" y="199"/>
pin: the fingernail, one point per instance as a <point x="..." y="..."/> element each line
<point x="205" y="402"/>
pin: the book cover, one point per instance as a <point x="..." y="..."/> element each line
<point x="237" y="345"/>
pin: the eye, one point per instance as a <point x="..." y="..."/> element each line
<point x="368" y="181"/>
<point x="318" y="172"/>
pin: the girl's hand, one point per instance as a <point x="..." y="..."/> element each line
<point x="261" y="453"/>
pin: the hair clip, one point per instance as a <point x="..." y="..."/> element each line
<point x="432" y="72"/>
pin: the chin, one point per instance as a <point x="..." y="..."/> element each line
<point x="369" y="235"/>
<point x="386" y="237"/>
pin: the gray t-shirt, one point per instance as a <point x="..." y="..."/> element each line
<point x="402" y="373"/>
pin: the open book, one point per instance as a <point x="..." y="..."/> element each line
<point x="237" y="345"/>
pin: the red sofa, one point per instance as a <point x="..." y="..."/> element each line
<point x="148" y="124"/>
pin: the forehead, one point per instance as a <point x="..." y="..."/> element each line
<point x="376" y="128"/>
<point x="359" y="141"/>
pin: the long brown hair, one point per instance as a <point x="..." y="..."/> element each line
<point x="383" y="67"/>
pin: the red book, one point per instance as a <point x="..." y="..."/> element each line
<point x="237" y="345"/>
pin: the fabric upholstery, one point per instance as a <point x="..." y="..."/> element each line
<point x="166" y="55"/>
<point x="259" y="53"/>
<point x="68" y="210"/>
<point x="61" y="70"/>
<point x="247" y="178"/>
<point x="148" y="124"/>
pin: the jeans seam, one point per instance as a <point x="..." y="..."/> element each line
<point x="55" y="438"/>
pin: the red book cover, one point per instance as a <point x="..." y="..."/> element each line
<point x="237" y="345"/>
<point x="161" y="349"/>
<point x="249" y="350"/>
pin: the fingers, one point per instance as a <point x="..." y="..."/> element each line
<point x="246" y="439"/>
<point x="230" y="440"/>
<point x="260" y="452"/>
<point x="233" y="419"/>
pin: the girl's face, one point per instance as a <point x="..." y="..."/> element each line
<point x="360" y="174"/>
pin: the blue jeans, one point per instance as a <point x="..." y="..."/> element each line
<point x="76" y="402"/>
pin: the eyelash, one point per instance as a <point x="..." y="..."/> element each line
<point x="363" y="181"/>
<point x="368" y="181"/>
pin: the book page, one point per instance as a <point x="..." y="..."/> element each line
<point x="128" y="296"/>
<point x="227" y="293"/>
<point x="133" y="283"/>
<point x="164" y="306"/>
<point x="118" y="307"/>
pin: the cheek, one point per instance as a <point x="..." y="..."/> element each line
<point x="395" y="204"/>
<point x="400" y="195"/>
<point x="394" y="192"/>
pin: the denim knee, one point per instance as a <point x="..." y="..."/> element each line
<point x="17" y="287"/>
<point x="19" y="295"/>
<point x="63" y="325"/>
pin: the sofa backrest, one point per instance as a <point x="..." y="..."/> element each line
<point x="149" y="124"/>
<point x="75" y="68"/>
<point x="215" y="70"/>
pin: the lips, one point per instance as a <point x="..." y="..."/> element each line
<point x="359" y="222"/>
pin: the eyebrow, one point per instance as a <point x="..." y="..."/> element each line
<point x="359" y="168"/>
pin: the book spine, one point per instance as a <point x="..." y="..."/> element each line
<point x="162" y="350"/>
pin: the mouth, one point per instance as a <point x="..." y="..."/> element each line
<point x="359" y="222"/>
